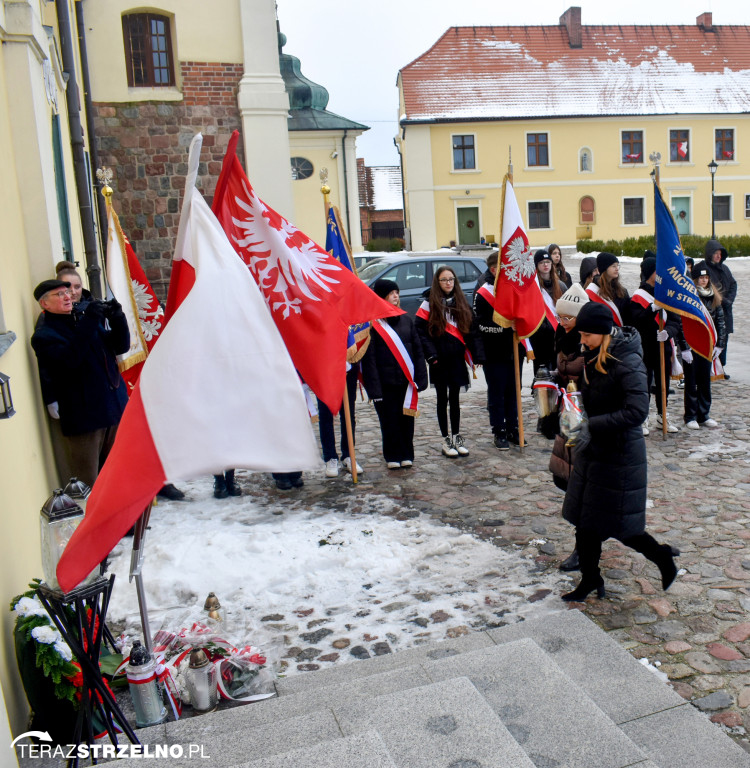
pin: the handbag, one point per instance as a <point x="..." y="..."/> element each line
<point x="561" y="462"/>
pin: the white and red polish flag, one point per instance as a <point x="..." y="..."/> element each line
<point x="313" y="298"/>
<point x="517" y="293"/>
<point x="218" y="390"/>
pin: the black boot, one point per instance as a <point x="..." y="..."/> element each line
<point x="232" y="489"/>
<point x="220" y="487"/>
<point x="571" y="562"/>
<point x="589" y="548"/>
<point x="662" y="555"/>
<point x="584" y="589"/>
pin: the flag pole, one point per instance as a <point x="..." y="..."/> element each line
<point x="516" y="359"/>
<point x="325" y="191"/>
<point x="662" y="377"/>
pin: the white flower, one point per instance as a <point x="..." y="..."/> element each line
<point x="29" y="606"/>
<point x="63" y="649"/>
<point x="46" y="634"/>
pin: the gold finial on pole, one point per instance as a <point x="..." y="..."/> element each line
<point x="105" y="177"/>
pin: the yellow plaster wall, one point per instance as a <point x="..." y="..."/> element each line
<point x="193" y="39"/>
<point x="563" y="184"/>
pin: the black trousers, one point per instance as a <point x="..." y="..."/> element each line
<point x="396" y="428"/>
<point x="501" y="396"/>
<point x="697" y="389"/>
<point x="653" y="372"/>
<point x="326" y="425"/>
<point x="589" y="546"/>
<point x="447" y="395"/>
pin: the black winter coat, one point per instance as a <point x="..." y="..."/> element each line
<point x="717" y="315"/>
<point x="644" y="321"/>
<point x="445" y="353"/>
<point x="380" y="369"/>
<point x="496" y="340"/>
<point x="607" y="489"/>
<point x="721" y="275"/>
<point x="76" y="356"/>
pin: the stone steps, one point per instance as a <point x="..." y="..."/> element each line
<point x="553" y="692"/>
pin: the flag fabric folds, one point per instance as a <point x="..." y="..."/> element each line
<point x="674" y="289"/>
<point x="217" y="391"/>
<point x="313" y="298"/>
<point x="358" y="338"/>
<point x="517" y="293"/>
<point x="130" y="287"/>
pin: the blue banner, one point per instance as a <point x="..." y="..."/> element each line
<point x="674" y="289"/>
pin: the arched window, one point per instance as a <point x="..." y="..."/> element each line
<point x="586" y="210"/>
<point x="585" y="160"/>
<point x="148" y="50"/>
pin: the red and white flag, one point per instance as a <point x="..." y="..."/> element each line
<point x="217" y="391"/>
<point x="313" y="298"/>
<point x="129" y="286"/>
<point x="517" y="293"/>
<point x="682" y="149"/>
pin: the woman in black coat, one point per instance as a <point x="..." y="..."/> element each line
<point x="446" y="328"/>
<point x="606" y="496"/>
<point x="721" y="276"/>
<point x="387" y="384"/>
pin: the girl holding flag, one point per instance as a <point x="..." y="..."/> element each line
<point x="445" y="326"/>
<point x="394" y="371"/>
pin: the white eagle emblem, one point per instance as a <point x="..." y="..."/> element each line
<point x="519" y="266"/>
<point x="150" y="321"/>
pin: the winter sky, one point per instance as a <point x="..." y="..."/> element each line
<point x="355" y="49"/>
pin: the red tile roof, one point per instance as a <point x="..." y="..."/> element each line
<point x="515" y="72"/>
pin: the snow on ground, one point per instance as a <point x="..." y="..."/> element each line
<point x="363" y="572"/>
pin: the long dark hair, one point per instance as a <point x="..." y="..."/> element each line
<point x="557" y="290"/>
<point x="610" y="287"/>
<point x="460" y="310"/>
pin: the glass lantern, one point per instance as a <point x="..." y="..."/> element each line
<point x="545" y="392"/>
<point x="144" y="688"/>
<point x="202" y="681"/>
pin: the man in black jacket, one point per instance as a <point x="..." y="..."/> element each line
<point x="76" y="353"/>
<point x="722" y="277"/>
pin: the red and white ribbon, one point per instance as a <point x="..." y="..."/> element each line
<point x="593" y="294"/>
<point x="398" y="350"/>
<point x="450" y="327"/>
<point x="549" y="308"/>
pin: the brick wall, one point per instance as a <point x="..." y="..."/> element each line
<point x="146" y="145"/>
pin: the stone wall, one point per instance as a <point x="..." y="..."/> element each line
<point x="146" y="146"/>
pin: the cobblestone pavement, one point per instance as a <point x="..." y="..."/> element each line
<point x="698" y="501"/>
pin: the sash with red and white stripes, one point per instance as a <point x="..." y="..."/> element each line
<point x="646" y="300"/>
<point x="487" y="291"/>
<point x="398" y="350"/>
<point x="593" y="294"/>
<point x="549" y="308"/>
<point x="450" y="327"/>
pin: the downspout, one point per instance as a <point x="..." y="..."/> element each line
<point x="83" y="187"/>
<point x="93" y="154"/>
<point x="403" y="191"/>
<point x="346" y="186"/>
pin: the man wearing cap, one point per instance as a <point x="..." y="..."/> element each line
<point x="76" y="354"/>
<point x="722" y="277"/>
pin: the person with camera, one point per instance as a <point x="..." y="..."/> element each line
<point x="76" y="354"/>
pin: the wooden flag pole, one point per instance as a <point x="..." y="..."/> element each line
<point x="662" y="376"/>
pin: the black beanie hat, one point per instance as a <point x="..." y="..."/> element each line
<point x="701" y="268"/>
<point x="594" y="318"/>
<point x="605" y="260"/>
<point x="541" y="255"/>
<point x="649" y="254"/>
<point x="383" y="287"/>
<point x="588" y="265"/>
<point x="648" y="267"/>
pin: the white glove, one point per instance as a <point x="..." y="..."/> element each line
<point x="687" y="356"/>
<point x="655" y="307"/>
<point x="54" y="410"/>
<point x="662" y="335"/>
<point x="717" y="352"/>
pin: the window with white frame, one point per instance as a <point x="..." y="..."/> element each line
<point x="722" y="207"/>
<point x="631" y="143"/>
<point x="464" y="155"/>
<point x="633" y="210"/>
<point x="724" y="144"/>
<point x="679" y="146"/>
<point x="747" y="206"/>
<point x="539" y="215"/>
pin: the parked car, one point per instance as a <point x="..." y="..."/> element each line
<point x="413" y="274"/>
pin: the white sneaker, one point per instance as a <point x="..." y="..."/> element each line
<point x="681" y="384"/>
<point x="670" y="427"/>
<point x="710" y="423"/>
<point x="458" y="444"/>
<point x="406" y="464"/>
<point x="332" y="468"/>
<point x="645" y="428"/>
<point x="393" y="465"/>
<point x="448" y="448"/>
<point x="348" y="466"/>
<point x="692" y="424"/>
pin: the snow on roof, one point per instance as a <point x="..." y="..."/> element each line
<point x="386" y="187"/>
<point x="512" y="72"/>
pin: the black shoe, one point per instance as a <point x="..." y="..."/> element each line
<point x="666" y="565"/>
<point x="220" y="487"/>
<point x="514" y="438"/>
<point x="284" y="484"/>
<point x="581" y="592"/>
<point x="232" y="488"/>
<point x="298" y="482"/>
<point x="501" y="442"/>
<point x="571" y="562"/>
<point x="727" y="376"/>
<point x="171" y="493"/>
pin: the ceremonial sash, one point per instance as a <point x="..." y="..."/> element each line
<point x="451" y="328"/>
<point x="593" y="294"/>
<point x="646" y="300"/>
<point x="529" y="349"/>
<point x="717" y="370"/>
<point x="487" y="292"/>
<point x="398" y="350"/>
<point x="549" y="308"/>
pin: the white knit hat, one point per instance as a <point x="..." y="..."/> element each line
<point x="571" y="301"/>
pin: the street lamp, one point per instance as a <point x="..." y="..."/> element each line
<point x="712" y="166"/>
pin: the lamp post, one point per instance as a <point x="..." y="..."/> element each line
<point x="712" y="166"/>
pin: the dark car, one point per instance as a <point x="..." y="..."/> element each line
<point x="413" y="274"/>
